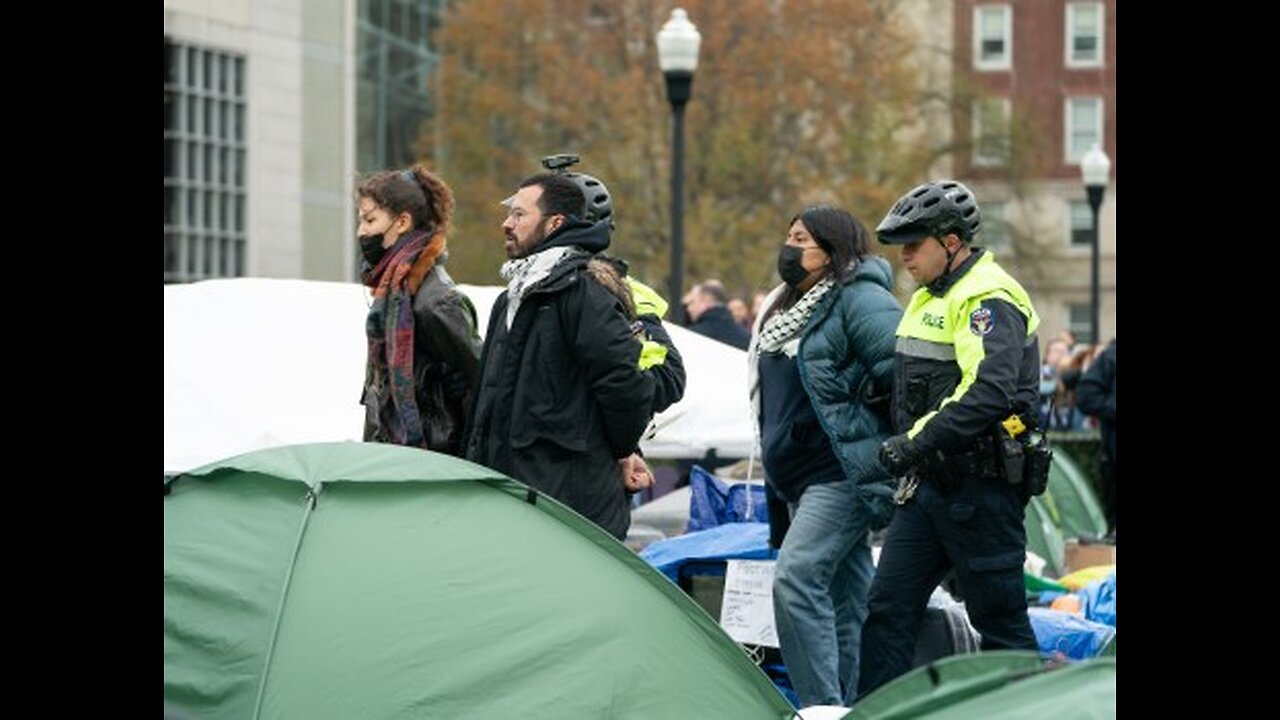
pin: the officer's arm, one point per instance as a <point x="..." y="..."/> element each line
<point x="658" y="354"/>
<point x="989" y="343"/>
<point x="609" y="357"/>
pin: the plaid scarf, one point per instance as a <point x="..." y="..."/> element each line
<point x="390" y="328"/>
<point x="782" y="326"/>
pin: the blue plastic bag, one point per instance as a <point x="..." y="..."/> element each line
<point x="1099" y="600"/>
<point x="714" y="502"/>
<point x="1071" y="635"/>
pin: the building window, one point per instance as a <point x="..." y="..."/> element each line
<point x="991" y="131"/>
<point x="1084" y="126"/>
<point x="993" y="37"/>
<point x="995" y="234"/>
<point x="395" y="59"/>
<point x="204" y="163"/>
<point x="1080" y="322"/>
<point x="1079" y="224"/>
<point x="1084" y="34"/>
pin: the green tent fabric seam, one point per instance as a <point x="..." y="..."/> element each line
<point x="284" y="594"/>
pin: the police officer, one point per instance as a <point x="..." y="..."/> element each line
<point x="967" y="358"/>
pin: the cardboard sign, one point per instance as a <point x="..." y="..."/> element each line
<point x="746" y="611"/>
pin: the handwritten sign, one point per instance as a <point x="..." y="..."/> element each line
<point x="746" y="611"/>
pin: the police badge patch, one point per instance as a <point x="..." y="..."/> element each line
<point x="981" y="321"/>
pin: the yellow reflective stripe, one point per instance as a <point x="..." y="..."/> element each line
<point x="919" y="424"/>
<point x="651" y="353"/>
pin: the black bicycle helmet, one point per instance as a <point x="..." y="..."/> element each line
<point x="934" y="208"/>
<point x="599" y="203"/>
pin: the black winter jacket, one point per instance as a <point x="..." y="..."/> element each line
<point x="1096" y="395"/>
<point x="560" y="397"/>
<point x="445" y="359"/>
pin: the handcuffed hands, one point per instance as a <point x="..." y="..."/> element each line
<point x="636" y="475"/>
<point x="898" y="455"/>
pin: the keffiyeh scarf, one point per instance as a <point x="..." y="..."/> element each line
<point x="523" y="273"/>
<point x="785" y="325"/>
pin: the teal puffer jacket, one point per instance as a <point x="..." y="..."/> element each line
<point x="846" y="359"/>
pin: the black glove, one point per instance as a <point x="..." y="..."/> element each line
<point x="898" y="455"/>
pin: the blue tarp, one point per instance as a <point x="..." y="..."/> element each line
<point x="714" y="502"/>
<point x="734" y="541"/>
<point x="1071" y="635"/>
<point x="1098" y="599"/>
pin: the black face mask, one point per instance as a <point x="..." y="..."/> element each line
<point x="371" y="247"/>
<point x="789" y="267"/>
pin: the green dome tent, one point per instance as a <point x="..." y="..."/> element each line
<point x="992" y="685"/>
<point x="1068" y="508"/>
<point x="1044" y="538"/>
<point x="1074" y="503"/>
<point x="357" y="580"/>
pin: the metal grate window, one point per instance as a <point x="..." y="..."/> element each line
<point x="204" y="163"/>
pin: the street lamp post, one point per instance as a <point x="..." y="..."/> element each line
<point x="678" y="43"/>
<point x="1095" y="170"/>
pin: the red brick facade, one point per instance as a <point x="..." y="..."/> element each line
<point x="1039" y="81"/>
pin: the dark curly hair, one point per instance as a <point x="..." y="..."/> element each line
<point x="417" y="191"/>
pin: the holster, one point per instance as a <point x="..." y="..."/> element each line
<point x="1039" y="456"/>
<point x="1025" y="459"/>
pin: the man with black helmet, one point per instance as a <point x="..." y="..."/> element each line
<point x="966" y="376"/>
<point x="563" y="397"/>
<point x="641" y="304"/>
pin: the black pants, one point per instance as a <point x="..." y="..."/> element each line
<point x="975" y="529"/>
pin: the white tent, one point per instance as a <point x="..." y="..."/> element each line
<point x="251" y="363"/>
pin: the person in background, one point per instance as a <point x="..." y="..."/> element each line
<point x="1054" y="411"/>
<point x="740" y="312"/>
<point x="1096" y="395"/>
<point x="705" y="307"/>
<point x="1067" y="415"/>
<point x="821" y="357"/>
<point x="757" y="304"/>
<point x="422" y="343"/>
<point x="965" y="385"/>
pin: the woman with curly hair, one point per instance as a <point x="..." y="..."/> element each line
<point x="423" y="345"/>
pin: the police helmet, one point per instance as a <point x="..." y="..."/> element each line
<point x="934" y="208"/>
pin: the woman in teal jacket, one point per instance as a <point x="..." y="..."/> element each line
<point x="821" y="363"/>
